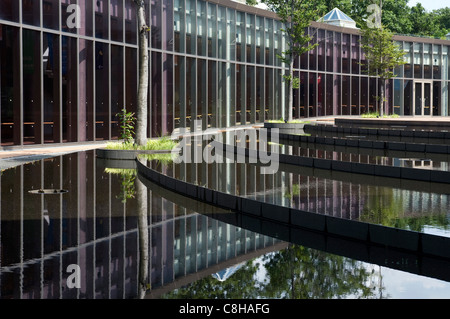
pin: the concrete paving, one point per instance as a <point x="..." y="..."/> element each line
<point x="14" y="157"/>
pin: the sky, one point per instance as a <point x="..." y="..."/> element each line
<point x="430" y="5"/>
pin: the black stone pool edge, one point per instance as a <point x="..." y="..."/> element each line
<point x="408" y="241"/>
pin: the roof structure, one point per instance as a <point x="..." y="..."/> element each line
<point x="338" y="18"/>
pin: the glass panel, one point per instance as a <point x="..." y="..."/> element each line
<point x="397" y="96"/>
<point x="278" y="42"/>
<point x="427" y="63"/>
<point x="212" y="93"/>
<point x="130" y="23"/>
<point x="156" y="24"/>
<point x="418" y="99"/>
<point x="398" y="71"/>
<point x="201" y="92"/>
<point x="337" y="95"/>
<point x="201" y="28"/>
<point x="364" y="95"/>
<point x="268" y="36"/>
<point x="221" y="93"/>
<point x="117" y="94"/>
<point x="191" y="81"/>
<point x="102" y="91"/>
<point x="408" y="48"/>
<point x="337" y="52"/>
<point x="408" y="97"/>
<point x="345" y="53"/>
<point x="418" y="60"/>
<point x="329" y="51"/>
<point x="355" y="96"/>
<point x="191" y="27"/>
<point x="320" y="94"/>
<point x="51" y="11"/>
<point x="212" y="30"/>
<point x="321" y="51"/>
<point x="312" y="94"/>
<point x="168" y="88"/>
<point x="330" y="95"/>
<point x="436" y="92"/>
<point x="240" y="36"/>
<point x="10" y="10"/>
<point x="179" y="26"/>
<point x="32" y="125"/>
<point x="249" y="107"/>
<point x="86" y="22"/>
<point x="426" y="98"/>
<point x="303" y="94"/>
<point x="240" y="94"/>
<point x="10" y="85"/>
<point x="116" y="16"/>
<point x="69" y="89"/>
<point x="260" y="93"/>
<point x="180" y="104"/>
<point x="69" y="16"/>
<point x="346" y="106"/>
<point x="231" y="34"/>
<point x="221" y="33"/>
<point x="374" y="104"/>
<point x="437" y="63"/>
<point x="86" y="91"/>
<point x="31" y="12"/>
<point x="259" y="41"/>
<point x="269" y="94"/>
<point x="168" y="21"/>
<point x="101" y="19"/>
<point x="156" y="95"/>
<point x="355" y="54"/>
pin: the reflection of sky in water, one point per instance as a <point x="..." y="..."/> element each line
<point x="403" y="285"/>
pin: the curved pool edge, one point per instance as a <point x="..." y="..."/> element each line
<point x="406" y="240"/>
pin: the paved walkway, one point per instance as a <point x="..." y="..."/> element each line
<point x="15" y="157"/>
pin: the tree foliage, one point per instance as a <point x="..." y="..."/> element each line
<point x="296" y="16"/>
<point x="382" y="56"/>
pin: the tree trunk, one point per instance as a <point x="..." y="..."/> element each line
<point x="141" y="112"/>
<point x="141" y="196"/>
<point x="291" y="89"/>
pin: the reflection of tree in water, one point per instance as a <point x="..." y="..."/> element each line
<point x="295" y="273"/>
<point x="127" y="178"/>
<point x="303" y="273"/>
<point x="388" y="209"/>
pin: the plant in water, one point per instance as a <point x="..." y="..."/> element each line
<point x="126" y="120"/>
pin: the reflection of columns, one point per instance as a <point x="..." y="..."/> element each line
<point x="82" y="220"/>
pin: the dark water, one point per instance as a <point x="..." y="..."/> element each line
<point x="132" y="239"/>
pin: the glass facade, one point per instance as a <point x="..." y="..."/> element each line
<point x="67" y="67"/>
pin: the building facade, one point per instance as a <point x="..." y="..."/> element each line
<point x="67" y="67"/>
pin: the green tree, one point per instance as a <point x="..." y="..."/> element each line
<point x="296" y="15"/>
<point x="423" y="22"/>
<point x="382" y="56"/>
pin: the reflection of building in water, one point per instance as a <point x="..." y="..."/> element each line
<point x="90" y="226"/>
<point x="226" y="273"/>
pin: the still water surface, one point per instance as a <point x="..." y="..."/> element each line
<point x="177" y="247"/>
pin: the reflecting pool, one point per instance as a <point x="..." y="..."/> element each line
<point x="77" y="227"/>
